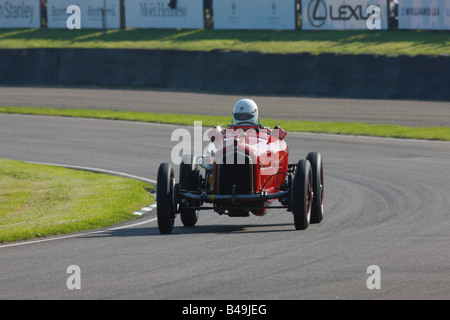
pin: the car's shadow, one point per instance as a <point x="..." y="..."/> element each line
<point x="200" y="229"/>
<point x="235" y="228"/>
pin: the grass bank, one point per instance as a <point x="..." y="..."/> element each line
<point x="38" y="201"/>
<point x="364" y="129"/>
<point x="391" y="42"/>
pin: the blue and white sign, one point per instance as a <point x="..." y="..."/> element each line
<point x="188" y="14"/>
<point x="91" y="13"/>
<point x="341" y="14"/>
<point x="419" y="14"/>
<point x="254" y="14"/>
<point x="20" y="14"/>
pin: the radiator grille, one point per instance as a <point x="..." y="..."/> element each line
<point x="238" y="174"/>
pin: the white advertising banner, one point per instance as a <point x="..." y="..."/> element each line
<point x="254" y="14"/>
<point x="188" y="14"/>
<point x="420" y="14"/>
<point x="91" y="14"/>
<point x="20" y="14"/>
<point x="341" y="14"/>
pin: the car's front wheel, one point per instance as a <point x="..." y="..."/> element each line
<point x="316" y="161"/>
<point x="189" y="177"/>
<point x="302" y="195"/>
<point x="164" y="205"/>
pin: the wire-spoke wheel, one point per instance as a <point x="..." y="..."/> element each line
<point x="302" y="195"/>
<point x="164" y="198"/>
<point x="316" y="161"/>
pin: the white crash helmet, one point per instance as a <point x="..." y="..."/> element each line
<point x="245" y="110"/>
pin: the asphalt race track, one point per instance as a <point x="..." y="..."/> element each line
<point x="386" y="204"/>
<point x="402" y="112"/>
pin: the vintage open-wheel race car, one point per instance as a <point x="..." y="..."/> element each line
<point x="245" y="170"/>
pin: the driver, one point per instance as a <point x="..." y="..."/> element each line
<point x="245" y="111"/>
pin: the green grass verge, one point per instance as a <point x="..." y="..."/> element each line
<point x="391" y="42"/>
<point x="364" y="129"/>
<point x="38" y="201"/>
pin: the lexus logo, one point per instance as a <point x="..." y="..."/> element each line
<point x="317" y="12"/>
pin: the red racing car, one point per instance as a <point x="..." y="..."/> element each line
<point x="244" y="171"/>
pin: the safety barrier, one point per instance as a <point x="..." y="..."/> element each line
<point x="229" y="14"/>
<point x="354" y="76"/>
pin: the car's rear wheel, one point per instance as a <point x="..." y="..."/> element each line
<point x="189" y="177"/>
<point x="316" y="161"/>
<point x="302" y="195"/>
<point x="164" y="198"/>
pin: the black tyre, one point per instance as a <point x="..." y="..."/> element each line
<point x="316" y="161"/>
<point x="164" y="204"/>
<point x="189" y="178"/>
<point x="302" y="195"/>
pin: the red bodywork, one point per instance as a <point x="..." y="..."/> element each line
<point x="267" y="150"/>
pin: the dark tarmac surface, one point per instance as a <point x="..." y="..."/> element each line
<point x="408" y="113"/>
<point x="386" y="204"/>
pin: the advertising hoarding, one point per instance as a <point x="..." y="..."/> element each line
<point x="187" y="14"/>
<point x="91" y="13"/>
<point x="428" y="15"/>
<point x="254" y="14"/>
<point x="341" y="14"/>
<point x="20" y="14"/>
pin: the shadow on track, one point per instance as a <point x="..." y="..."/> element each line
<point x="201" y="229"/>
